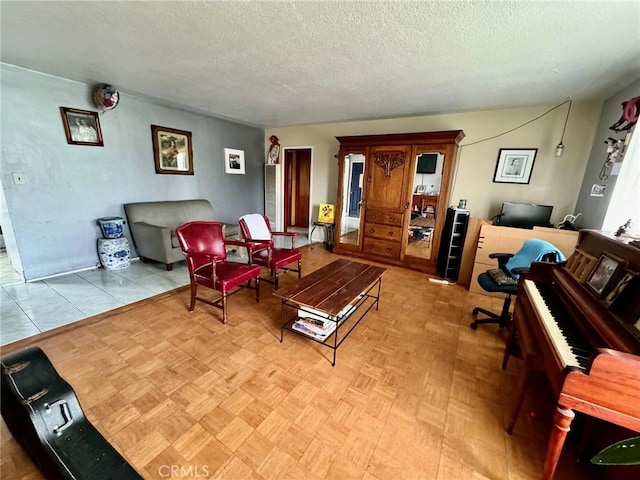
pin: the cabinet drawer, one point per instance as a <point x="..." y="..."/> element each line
<point x="384" y="232"/>
<point x="382" y="248"/>
<point x="386" y="218"/>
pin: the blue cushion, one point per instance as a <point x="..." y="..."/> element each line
<point x="533" y="250"/>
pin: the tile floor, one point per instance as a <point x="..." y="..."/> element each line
<point x="27" y="309"/>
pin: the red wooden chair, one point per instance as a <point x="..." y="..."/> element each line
<point x="205" y="249"/>
<point x="256" y="230"/>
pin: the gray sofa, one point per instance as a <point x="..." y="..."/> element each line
<point x="153" y="225"/>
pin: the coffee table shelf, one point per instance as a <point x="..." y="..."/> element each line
<point x="338" y="295"/>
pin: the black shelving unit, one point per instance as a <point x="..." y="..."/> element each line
<point x="452" y="242"/>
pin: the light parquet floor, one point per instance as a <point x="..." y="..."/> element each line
<point x="415" y="393"/>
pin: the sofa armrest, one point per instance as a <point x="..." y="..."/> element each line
<point x="151" y="240"/>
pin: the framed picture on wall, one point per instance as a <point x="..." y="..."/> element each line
<point x="514" y="165"/>
<point x="82" y="127"/>
<point x="234" y="161"/>
<point x="172" y="150"/>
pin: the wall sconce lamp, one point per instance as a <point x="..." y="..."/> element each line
<point x="560" y="147"/>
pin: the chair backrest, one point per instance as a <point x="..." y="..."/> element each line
<point x="255" y="227"/>
<point x="534" y="250"/>
<point x="202" y="238"/>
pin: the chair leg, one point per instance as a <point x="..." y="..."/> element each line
<point x="257" y="289"/>
<point x="503" y="320"/>
<point x="299" y="269"/>
<point x="224" y="307"/>
<point x="193" y="297"/>
<point x="276" y="279"/>
<point x="169" y="267"/>
<point x="505" y="316"/>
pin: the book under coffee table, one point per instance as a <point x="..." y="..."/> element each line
<point x="330" y="302"/>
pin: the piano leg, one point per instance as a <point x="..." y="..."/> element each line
<point x="562" y="424"/>
<point x="511" y="345"/>
<point x="523" y="385"/>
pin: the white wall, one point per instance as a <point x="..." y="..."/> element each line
<point x="554" y="181"/>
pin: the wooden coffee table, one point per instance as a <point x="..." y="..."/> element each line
<point x="330" y="301"/>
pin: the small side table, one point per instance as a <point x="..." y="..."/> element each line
<point x="329" y="229"/>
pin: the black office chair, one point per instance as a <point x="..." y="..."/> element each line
<point x="504" y="279"/>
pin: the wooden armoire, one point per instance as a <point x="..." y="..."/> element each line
<point x="375" y="217"/>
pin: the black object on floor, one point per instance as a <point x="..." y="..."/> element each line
<point x="43" y="414"/>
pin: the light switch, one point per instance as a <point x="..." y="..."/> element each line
<point x="19" y="178"/>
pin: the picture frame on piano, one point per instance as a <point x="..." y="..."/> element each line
<point x="617" y="290"/>
<point x="622" y="300"/>
<point x="606" y="273"/>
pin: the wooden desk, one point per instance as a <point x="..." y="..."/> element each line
<point x="421" y="202"/>
<point x="336" y="294"/>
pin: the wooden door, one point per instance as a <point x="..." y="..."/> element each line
<point x="297" y="187"/>
<point x="387" y="178"/>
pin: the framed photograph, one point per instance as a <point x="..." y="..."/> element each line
<point x="172" y="150"/>
<point x="607" y="268"/>
<point x="619" y="287"/>
<point x="82" y="127"/>
<point x="514" y="165"/>
<point x="234" y="161"/>
<point x="420" y="189"/>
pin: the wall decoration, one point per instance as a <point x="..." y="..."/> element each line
<point x="514" y="165"/>
<point x="82" y="127"/>
<point x="274" y="151"/>
<point x="598" y="190"/>
<point x="172" y="150"/>
<point x="106" y="97"/>
<point x="234" y="161"/>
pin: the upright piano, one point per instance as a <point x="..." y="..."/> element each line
<point x="579" y="324"/>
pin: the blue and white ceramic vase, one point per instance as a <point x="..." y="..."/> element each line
<point x="114" y="253"/>
<point x="111" y="226"/>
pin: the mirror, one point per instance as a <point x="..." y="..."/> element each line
<point x="352" y="194"/>
<point x="427" y="179"/>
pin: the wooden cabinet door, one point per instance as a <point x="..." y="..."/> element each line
<point x="388" y="174"/>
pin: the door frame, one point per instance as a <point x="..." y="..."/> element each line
<point x="280" y="202"/>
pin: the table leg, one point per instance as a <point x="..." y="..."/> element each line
<point x="311" y="236"/>
<point x="282" y="321"/>
<point x="335" y="346"/>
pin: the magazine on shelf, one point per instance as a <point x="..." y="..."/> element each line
<point x="303" y="328"/>
<point x="317" y="324"/>
<point x="322" y="317"/>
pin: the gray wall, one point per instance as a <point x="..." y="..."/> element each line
<point x="68" y="187"/>
<point x="594" y="209"/>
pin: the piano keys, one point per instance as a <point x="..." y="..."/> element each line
<point x="589" y="351"/>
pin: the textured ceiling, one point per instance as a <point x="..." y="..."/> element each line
<point x="272" y="64"/>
